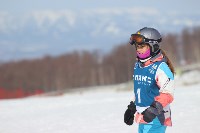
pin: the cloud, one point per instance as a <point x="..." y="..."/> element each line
<point x="29" y="34"/>
<point x="109" y="18"/>
<point x="5" y="22"/>
<point x="33" y="48"/>
<point x="61" y="20"/>
<point x="53" y="16"/>
<point x="112" y="28"/>
<point x="121" y="11"/>
<point x="42" y="19"/>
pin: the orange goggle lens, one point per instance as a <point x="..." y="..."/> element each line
<point x="136" y="39"/>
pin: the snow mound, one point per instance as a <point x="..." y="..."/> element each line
<point x="188" y="78"/>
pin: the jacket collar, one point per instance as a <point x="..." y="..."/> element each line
<point x="158" y="57"/>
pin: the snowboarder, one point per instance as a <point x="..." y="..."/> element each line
<point x="153" y="84"/>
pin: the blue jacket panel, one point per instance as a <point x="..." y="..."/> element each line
<point x="145" y="87"/>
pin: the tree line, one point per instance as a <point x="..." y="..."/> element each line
<point x="84" y="68"/>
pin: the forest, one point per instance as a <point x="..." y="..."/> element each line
<point x="89" y="68"/>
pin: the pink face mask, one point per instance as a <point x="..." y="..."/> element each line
<point x="144" y="55"/>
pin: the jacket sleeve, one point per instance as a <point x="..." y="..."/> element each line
<point x="165" y="81"/>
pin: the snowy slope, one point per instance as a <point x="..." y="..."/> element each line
<point x="93" y="111"/>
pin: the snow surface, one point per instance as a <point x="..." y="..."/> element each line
<point x="97" y="110"/>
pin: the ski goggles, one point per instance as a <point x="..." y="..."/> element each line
<point x="140" y="39"/>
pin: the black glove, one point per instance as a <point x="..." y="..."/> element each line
<point x="129" y="114"/>
<point x="154" y="110"/>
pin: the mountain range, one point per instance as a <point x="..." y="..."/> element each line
<point x="38" y="33"/>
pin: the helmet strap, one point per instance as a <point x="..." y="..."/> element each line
<point x="154" y="49"/>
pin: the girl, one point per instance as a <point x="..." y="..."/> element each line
<point x="153" y="84"/>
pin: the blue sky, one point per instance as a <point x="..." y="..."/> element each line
<point x="34" y="28"/>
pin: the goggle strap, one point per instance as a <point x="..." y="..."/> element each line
<point x="159" y="40"/>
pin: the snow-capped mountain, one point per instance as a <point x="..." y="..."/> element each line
<point x="38" y="33"/>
